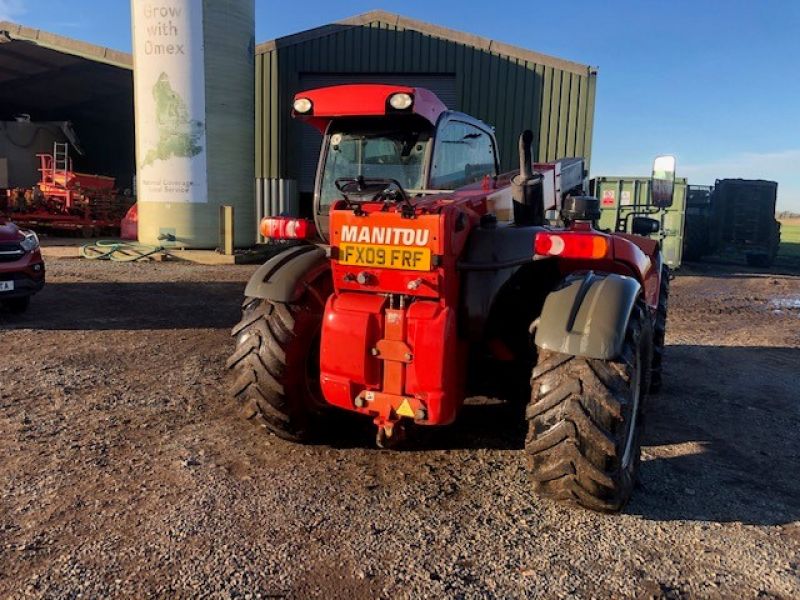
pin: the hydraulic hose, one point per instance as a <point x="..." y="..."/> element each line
<point x="118" y="251"/>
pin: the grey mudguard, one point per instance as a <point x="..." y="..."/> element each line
<point x="588" y="315"/>
<point x="280" y="278"/>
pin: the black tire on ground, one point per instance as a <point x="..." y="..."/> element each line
<point x="17" y="305"/>
<point x="585" y="422"/>
<point x="659" y="332"/>
<point x="276" y="362"/>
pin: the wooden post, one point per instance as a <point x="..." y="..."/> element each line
<point x="226" y="229"/>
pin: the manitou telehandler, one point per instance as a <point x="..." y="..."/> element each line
<point x="428" y="276"/>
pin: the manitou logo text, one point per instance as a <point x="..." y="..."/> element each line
<point x="393" y="236"/>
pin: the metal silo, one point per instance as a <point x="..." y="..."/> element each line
<point x="194" y="107"/>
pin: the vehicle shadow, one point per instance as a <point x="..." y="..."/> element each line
<point x="722" y="438"/>
<point x="721" y="441"/>
<point x="482" y="423"/>
<point x="727" y="268"/>
<point x="97" y="306"/>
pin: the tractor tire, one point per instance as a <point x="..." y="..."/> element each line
<point x="585" y="422"/>
<point x="276" y="363"/>
<point x="660" y="332"/>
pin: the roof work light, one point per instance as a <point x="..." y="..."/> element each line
<point x="302" y="105"/>
<point x="401" y="101"/>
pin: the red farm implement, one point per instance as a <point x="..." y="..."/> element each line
<point x="65" y="200"/>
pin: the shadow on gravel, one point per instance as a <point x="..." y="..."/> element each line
<point x="725" y="269"/>
<point x="482" y="423"/>
<point x="724" y="438"/>
<point x="721" y="443"/>
<point x="130" y="306"/>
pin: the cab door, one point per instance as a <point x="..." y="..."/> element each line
<point x="464" y="153"/>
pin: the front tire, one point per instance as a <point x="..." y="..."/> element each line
<point x="585" y="421"/>
<point x="276" y="363"/>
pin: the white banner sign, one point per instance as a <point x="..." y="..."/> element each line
<point x="170" y="100"/>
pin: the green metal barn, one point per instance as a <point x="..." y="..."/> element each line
<point x="57" y="78"/>
<point x="505" y="86"/>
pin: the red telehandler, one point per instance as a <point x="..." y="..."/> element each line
<point x="427" y="276"/>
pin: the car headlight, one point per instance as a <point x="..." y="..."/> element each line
<point x="30" y="242"/>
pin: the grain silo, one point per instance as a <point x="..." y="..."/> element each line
<point x="194" y="106"/>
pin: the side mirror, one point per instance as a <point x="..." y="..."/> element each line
<point x="645" y="226"/>
<point x="662" y="184"/>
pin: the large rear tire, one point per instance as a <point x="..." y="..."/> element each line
<point x="585" y="421"/>
<point x="276" y="363"/>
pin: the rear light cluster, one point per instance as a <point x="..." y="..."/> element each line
<point x="287" y="228"/>
<point x="572" y="245"/>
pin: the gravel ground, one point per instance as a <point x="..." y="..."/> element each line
<point x="125" y="471"/>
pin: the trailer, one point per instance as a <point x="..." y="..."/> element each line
<point x="745" y="213"/>
<point x="623" y="198"/>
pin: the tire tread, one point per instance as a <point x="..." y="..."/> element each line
<point x="264" y="374"/>
<point x="576" y="423"/>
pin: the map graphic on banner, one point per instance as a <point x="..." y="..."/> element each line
<point x="178" y="135"/>
<point x="170" y="101"/>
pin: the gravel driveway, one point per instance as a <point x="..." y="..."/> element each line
<point x="124" y="470"/>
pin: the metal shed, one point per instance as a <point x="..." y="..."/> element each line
<point x="54" y="78"/>
<point x="505" y="86"/>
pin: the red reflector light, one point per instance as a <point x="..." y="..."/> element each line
<point x="571" y="244"/>
<point x="286" y="228"/>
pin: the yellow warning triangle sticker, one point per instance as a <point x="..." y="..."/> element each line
<point x="404" y="410"/>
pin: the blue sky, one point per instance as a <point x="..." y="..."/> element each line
<point x="716" y="82"/>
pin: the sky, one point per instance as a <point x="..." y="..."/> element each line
<point x="714" y="82"/>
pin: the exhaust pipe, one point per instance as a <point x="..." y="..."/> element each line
<point x="526" y="154"/>
<point x="526" y="188"/>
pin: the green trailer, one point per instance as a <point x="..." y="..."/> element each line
<point x="622" y="198"/>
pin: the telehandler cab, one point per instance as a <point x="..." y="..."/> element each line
<point x="427" y="276"/>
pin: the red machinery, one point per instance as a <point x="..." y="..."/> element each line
<point x="66" y="200"/>
<point x="429" y="276"/>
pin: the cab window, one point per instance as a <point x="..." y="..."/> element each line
<point x="464" y="154"/>
<point x="381" y="150"/>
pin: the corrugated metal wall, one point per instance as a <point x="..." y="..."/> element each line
<point x="554" y="98"/>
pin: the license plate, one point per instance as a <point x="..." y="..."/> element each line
<point x="6" y="286"/>
<point x="386" y="257"/>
